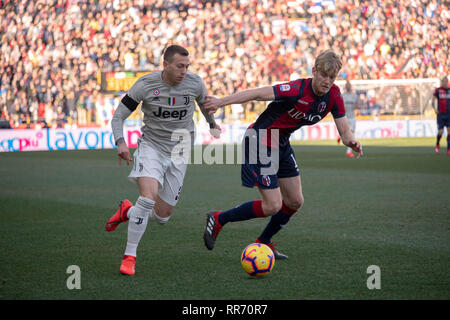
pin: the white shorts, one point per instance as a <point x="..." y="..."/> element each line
<point x="149" y="162"/>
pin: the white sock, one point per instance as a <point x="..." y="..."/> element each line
<point x="137" y="223"/>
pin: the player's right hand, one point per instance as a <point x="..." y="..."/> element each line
<point x="211" y="104"/>
<point x="357" y="147"/>
<point x="124" y="153"/>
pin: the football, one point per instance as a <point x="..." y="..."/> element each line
<point x="257" y="259"/>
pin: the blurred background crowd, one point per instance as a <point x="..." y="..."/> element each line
<point x="52" y="52"/>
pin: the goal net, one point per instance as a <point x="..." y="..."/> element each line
<point x="395" y="97"/>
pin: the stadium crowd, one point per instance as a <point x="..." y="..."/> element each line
<point x="51" y="51"/>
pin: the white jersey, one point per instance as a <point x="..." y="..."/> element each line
<point x="167" y="108"/>
<point x="350" y="102"/>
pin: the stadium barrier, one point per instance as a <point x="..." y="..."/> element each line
<point x="102" y="138"/>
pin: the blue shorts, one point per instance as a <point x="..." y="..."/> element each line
<point x="443" y="120"/>
<point x="252" y="174"/>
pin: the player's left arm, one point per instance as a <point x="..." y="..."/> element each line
<point x="214" y="128"/>
<point x="127" y="106"/>
<point x="341" y="121"/>
<point x="347" y="136"/>
<point x="209" y="117"/>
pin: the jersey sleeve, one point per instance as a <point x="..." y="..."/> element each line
<point x="136" y="92"/>
<point x="202" y="92"/>
<point x="134" y="95"/>
<point x="337" y="104"/>
<point x="287" y="90"/>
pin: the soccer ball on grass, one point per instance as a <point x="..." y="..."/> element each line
<point x="257" y="259"/>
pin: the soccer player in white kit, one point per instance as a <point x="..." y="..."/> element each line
<point x="351" y="102"/>
<point x="167" y="98"/>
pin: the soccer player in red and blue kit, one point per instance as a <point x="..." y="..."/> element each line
<point x="442" y="95"/>
<point x="294" y="104"/>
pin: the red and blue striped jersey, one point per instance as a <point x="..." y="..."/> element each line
<point x="443" y="97"/>
<point x="296" y="105"/>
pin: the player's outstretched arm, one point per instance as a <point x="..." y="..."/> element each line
<point x="261" y="94"/>
<point x="347" y="136"/>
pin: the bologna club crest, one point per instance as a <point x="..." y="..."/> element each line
<point x="265" y="180"/>
<point x="322" y="107"/>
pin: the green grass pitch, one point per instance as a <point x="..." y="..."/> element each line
<point x="391" y="209"/>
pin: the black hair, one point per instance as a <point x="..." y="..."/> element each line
<point x="174" y="49"/>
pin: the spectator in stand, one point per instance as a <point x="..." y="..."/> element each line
<point x="5" y="120"/>
<point x="81" y="110"/>
<point x="60" y="118"/>
<point x="373" y="108"/>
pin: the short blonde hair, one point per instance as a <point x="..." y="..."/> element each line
<point x="328" y="62"/>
